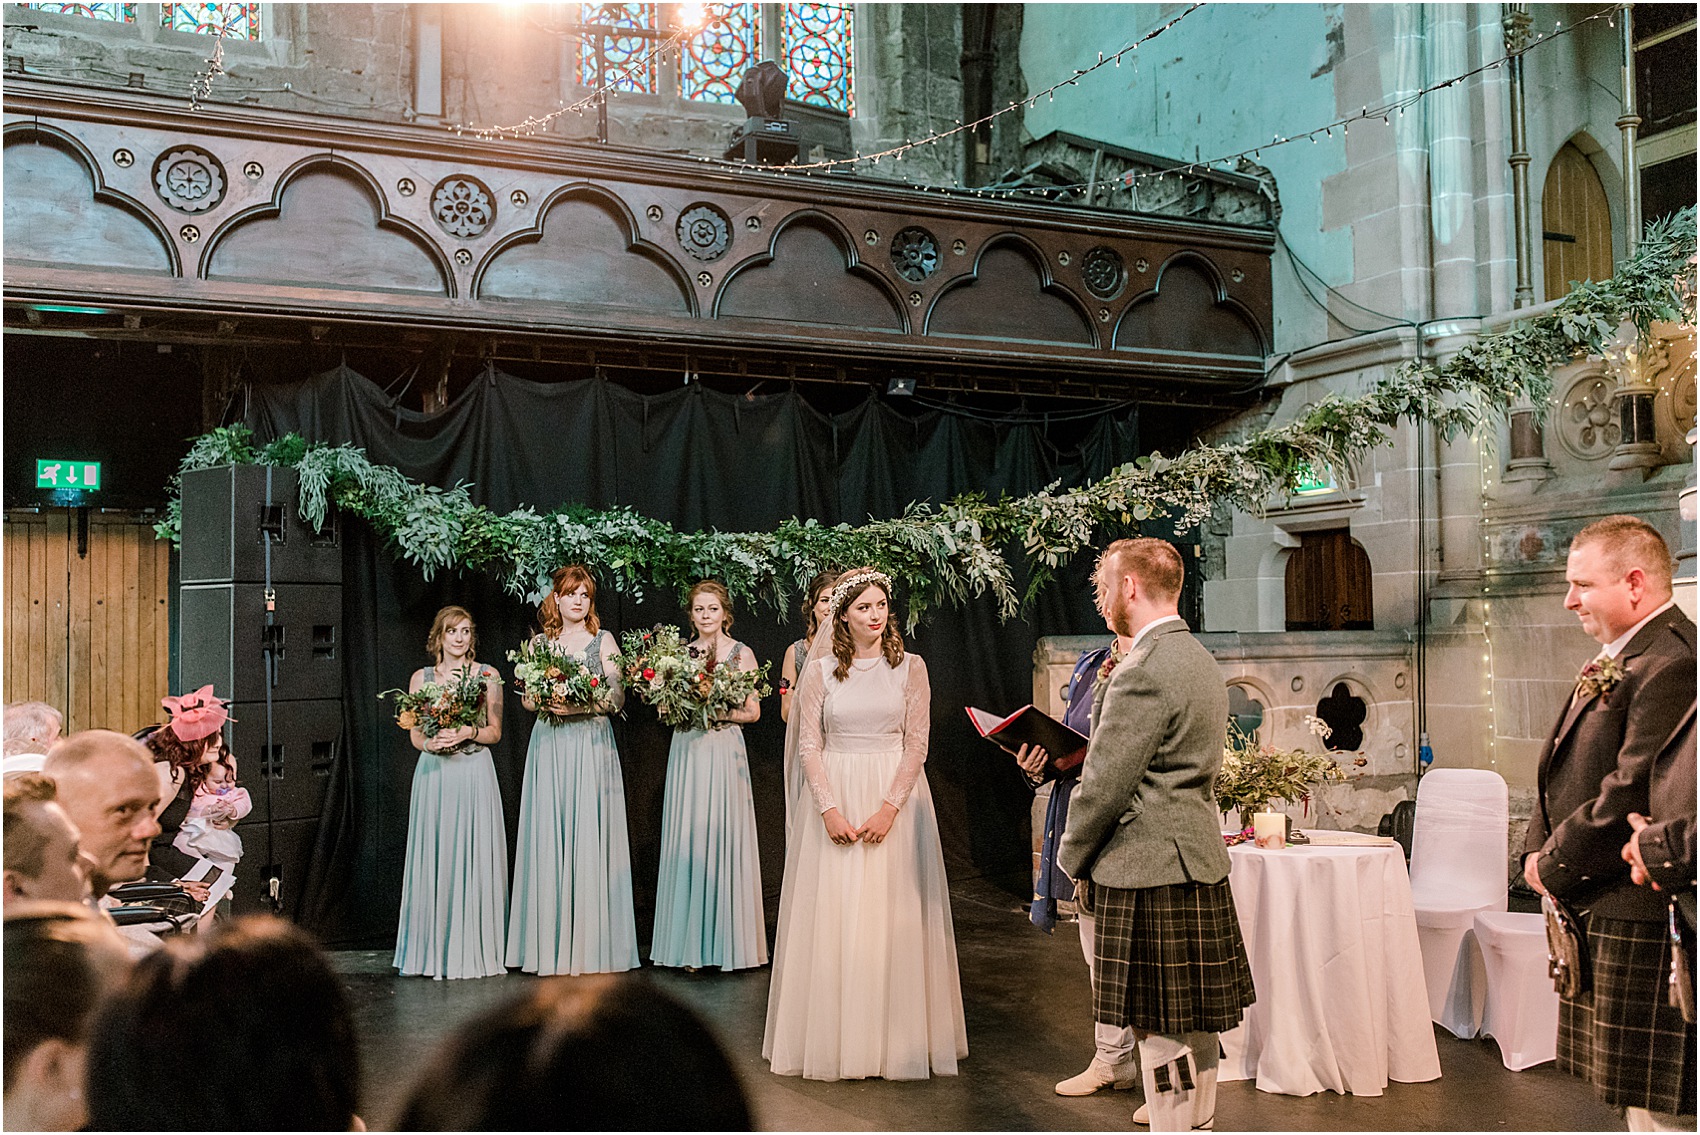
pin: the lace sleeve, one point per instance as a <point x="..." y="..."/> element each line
<point x="917" y="724"/>
<point x="808" y="712"/>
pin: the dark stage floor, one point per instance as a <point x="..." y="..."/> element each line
<point x="1029" y="1025"/>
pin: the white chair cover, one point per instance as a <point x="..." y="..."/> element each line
<point x="1522" y="1007"/>
<point x="1459" y="858"/>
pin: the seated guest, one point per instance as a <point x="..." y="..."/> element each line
<point x="580" y="1053"/>
<point x="60" y="959"/>
<point x="183" y="750"/>
<point x="31" y="727"/>
<point x="107" y="786"/>
<point x="43" y="861"/>
<point x="255" y="1009"/>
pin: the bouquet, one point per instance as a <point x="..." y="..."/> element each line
<point x="558" y="683"/>
<point x="436" y="706"/>
<point x="684" y="690"/>
<point x="1253" y="774"/>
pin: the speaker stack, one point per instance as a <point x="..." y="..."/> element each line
<point x="261" y="620"/>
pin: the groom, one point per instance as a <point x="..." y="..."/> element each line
<point x="1144" y="842"/>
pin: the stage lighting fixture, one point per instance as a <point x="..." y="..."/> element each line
<point x="900" y="387"/>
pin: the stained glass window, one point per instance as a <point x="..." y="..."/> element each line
<point x="714" y="61"/>
<point x="228" y="21"/>
<point x="818" y="54"/>
<point x="116" y="13"/>
<point x="621" y="53"/>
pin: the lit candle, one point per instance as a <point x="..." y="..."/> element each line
<point x="1270" y="829"/>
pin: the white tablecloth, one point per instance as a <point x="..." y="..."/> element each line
<point x="1341" y="1004"/>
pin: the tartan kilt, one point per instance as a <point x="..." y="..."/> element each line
<point x="1623" y="1036"/>
<point x="1169" y="960"/>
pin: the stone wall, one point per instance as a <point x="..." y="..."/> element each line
<point x="1287" y="675"/>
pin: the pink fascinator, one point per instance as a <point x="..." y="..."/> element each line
<point x="197" y="715"/>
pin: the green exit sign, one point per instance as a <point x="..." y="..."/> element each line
<point x="79" y="476"/>
<point x="1312" y="483"/>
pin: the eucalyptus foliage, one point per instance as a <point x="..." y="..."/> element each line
<point x="948" y="552"/>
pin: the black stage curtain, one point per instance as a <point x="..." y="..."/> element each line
<point x="698" y="459"/>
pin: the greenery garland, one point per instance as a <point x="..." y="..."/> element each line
<point x="947" y="552"/>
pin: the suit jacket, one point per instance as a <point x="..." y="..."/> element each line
<point x="1667" y="843"/>
<point x="1145" y="812"/>
<point x="1595" y="770"/>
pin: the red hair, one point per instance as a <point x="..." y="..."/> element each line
<point x="567" y="579"/>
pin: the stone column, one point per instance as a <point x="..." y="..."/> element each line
<point x="1517" y="21"/>
<point x="1629" y="123"/>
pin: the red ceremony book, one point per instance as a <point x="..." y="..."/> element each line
<point x="1064" y="748"/>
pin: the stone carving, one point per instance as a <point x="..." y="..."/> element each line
<point x="189" y="179"/>
<point x="1345" y="713"/>
<point x="463" y="206"/>
<point x="915" y="254"/>
<point x="1103" y="272"/>
<point x="1587" y="423"/>
<point x="704" y="232"/>
<point x="1683" y="400"/>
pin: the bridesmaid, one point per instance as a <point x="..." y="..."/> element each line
<point x="572" y="908"/>
<point x="455" y="884"/>
<point x="817" y="605"/>
<point x="708" y="909"/>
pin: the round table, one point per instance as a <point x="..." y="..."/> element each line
<point x="1332" y="939"/>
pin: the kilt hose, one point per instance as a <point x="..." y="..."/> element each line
<point x="1169" y="960"/>
<point x="1623" y="1036"/>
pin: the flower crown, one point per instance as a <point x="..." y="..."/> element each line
<point x="857" y="582"/>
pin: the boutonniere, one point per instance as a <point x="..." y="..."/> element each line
<point x="1600" y="677"/>
<point x="1111" y="661"/>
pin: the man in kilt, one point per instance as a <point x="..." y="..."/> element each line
<point x="1144" y="842"/>
<point x="1620" y="1032"/>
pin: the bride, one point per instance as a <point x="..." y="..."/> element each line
<point x="864" y="974"/>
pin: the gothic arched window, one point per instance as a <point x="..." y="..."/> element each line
<point x="112" y="13"/>
<point x="713" y="62"/>
<point x="819" y="55"/>
<point x="227" y="21"/>
<point x="628" y="62"/>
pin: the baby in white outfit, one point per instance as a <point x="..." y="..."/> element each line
<point x="217" y="805"/>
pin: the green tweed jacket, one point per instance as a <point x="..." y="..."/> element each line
<point x="1145" y="812"/>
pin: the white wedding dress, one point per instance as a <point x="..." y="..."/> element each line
<point x="864" y="974"/>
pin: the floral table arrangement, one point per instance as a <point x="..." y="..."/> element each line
<point x="1255" y="774"/>
<point x="558" y="682"/>
<point x="685" y="687"/>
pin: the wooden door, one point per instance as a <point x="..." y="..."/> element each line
<point x="1328" y="584"/>
<point x="87" y="616"/>
<point x="1575" y="223"/>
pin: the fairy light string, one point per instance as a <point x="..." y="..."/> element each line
<point x="1381" y="114"/>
